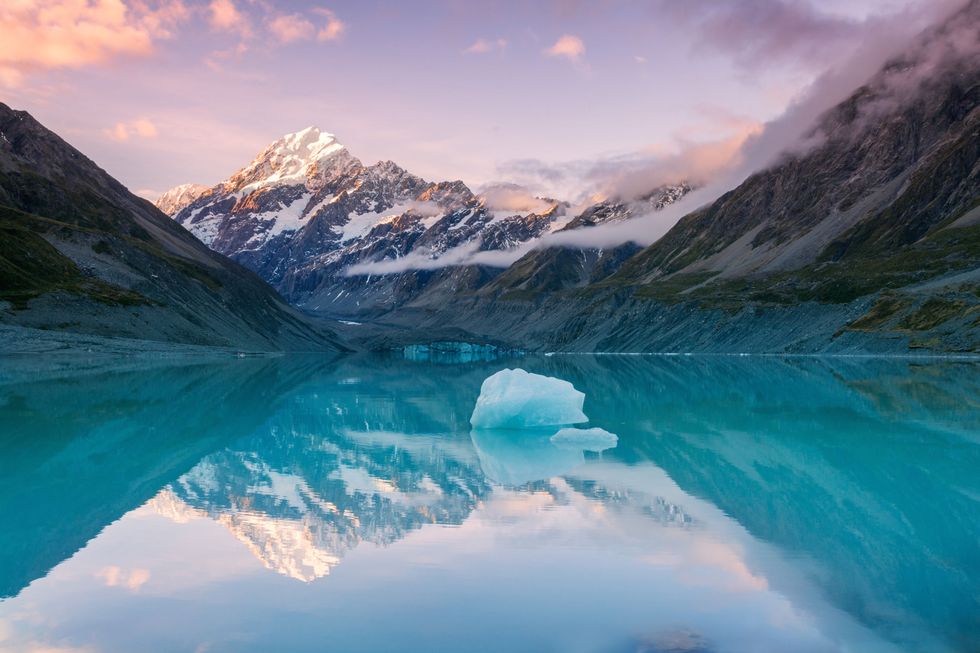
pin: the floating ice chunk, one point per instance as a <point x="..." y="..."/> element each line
<point x="516" y="399"/>
<point x="593" y="439"/>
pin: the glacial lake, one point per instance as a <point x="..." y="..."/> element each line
<point x="315" y="504"/>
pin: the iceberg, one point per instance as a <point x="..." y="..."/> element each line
<point x="517" y="399"/>
<point x="594" y="439"/>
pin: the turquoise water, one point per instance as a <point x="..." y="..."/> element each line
<point x="307" y="504"/>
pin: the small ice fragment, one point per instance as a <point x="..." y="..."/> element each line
<point x="516" y="399"/>
<point x="593" y="439"/>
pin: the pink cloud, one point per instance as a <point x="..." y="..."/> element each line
<point x="46" y="34"/>
<point x="292" y="27"/>
<point x="141" y="128"/>
<point x="483" y="46"/>
<point x="682" y="160"/>
<point x="215" y="60"/>
<point x="225" y="17"/>
<point x="569" y="46"/>
<point x="513" y="197"/>
<point x="697" y="153"/>
<point x="161" y="19"/>
<point x="334" y="27"/>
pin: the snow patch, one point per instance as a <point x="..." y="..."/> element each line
<point x="287" y="218"/>
<point x="205" y="230"/>
<point x="360" y="224"/>
<point x="464" y="220"/>
<point x="178" y="197"/>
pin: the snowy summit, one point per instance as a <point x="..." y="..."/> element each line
<point x="309" y="156"/>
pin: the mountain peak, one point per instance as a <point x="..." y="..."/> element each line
<point x="310" y="143"/>
<point x="309" y="155"/>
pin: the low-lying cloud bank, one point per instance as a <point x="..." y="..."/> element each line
<point x="465" y="254"/>
<point x="719" y="166"/>
<point x="512" y="197"/>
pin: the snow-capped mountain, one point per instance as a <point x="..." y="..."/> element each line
<point x="306" y="210"/>
<point x="178" y="197"/>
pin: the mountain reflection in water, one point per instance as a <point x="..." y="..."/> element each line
<point x="750" y="504"/>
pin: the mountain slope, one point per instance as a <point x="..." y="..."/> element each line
<point x="81" y="253"/>
<point x="868" y="241"/>
<point x="894" y="160"/>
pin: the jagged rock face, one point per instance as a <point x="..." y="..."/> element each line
<point x="306" y="210"/>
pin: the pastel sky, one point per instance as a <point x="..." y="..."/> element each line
<point x="162" y="92"/>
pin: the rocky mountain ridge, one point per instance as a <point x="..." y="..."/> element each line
<point x="305" y="211"/>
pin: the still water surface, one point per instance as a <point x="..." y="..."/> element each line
<point x="307" y="504"/>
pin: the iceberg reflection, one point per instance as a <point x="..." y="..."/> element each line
<point x="521" y="429"/>
<point x="514" y="458"/>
